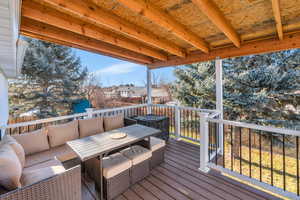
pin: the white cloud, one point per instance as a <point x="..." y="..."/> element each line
<point x="121" y="68"/>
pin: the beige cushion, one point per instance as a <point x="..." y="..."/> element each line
<point x="60" y="134"/>
<point x="16" y="147"/>
<point x="156" y="143"/>
<point x="62" y="153"/>
<point x="10" y="168"/>
<point x="113" y="122"/>
<point x="137" y="154"/>
<point x="89" y="127"/>
<point x="114" y="165"/>
<point x="33" y="142"/>
<point x="36" y="175"/>
<point x="48" y="163"/>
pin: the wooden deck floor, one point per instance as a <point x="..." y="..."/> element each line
<point x="179" y="178"/>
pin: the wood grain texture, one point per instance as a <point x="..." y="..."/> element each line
<point x="268" y="45"/>
<point x="277" y="17"/>
<point x="99" y="17"/>
<point x="178" y="178"/>
<point x="162" y="19"/>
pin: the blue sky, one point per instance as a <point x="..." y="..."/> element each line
<point x="112" y="71"/>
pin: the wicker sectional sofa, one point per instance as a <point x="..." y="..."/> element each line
<point x="45" y="167"/>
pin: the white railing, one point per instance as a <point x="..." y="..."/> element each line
<point x="184" y="121"/>
<point x="193" y="124"/>
<point x="264" y="156"/>
<point x="26" y="126"/>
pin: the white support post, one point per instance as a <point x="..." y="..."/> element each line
<point x="4" y="108"/>
<point x="219" y="99"/>
<point x="204" y="142"/>
<point x="89" y="112"/>
<point x="149" y="91"/>
<point x="177" y="123"/>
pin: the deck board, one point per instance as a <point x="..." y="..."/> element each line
<point x="179" y="178"/>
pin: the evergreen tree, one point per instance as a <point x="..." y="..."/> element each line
<point x="262" y="89"/>
<point x="51" y="79"/>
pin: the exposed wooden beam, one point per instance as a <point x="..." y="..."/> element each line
<point x="46" y="31"/>
<point x="166" y="21"/>
<point x="277" y="16"/>
<point x="95" y="15"/>
<point x="77" y="46"/>
<point x="49" y="16"/>
<point x="209" y="8"/>
<point x="290" y="41"/>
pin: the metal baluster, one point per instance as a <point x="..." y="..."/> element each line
<point x="241" y="169"/>
<point x="283" y="152"/>
<point x="297" y="163"/>
<point x="216" y="140"/>
<point x="250" y="159"/>
<point x="271" y="146"/>
<point x="260" y="158"/>
<point x="231" y="150"/>
<point x="224" y="134"/>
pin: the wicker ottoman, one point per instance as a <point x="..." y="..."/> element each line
<point x="116" y="173"/>
<point x="158" y="151"/>
<point x="140" y="159"/>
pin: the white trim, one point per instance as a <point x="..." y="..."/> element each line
<point x="53" y="119"/>
<point x="149" y="90"/>
<point x="266" y="186"/>
<point x="258" y="127"/>
<point x="219" y="99"/>
<point x="187" y="108"/>
<point x="204" y="140"/>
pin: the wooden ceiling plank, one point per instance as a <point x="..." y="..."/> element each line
<point x="166" y="21"/>
<point x="39" y="13"/>
<point x="45" y="30"/>
<point x="289" y="41"/>
<point x="97" y="16"/>
<point x="209" y="8"/>
<point x="277" y="16"/>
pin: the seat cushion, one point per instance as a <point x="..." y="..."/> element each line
<point x="10" y="168"/>
<point x="88" y="127"/>
<point x="136" y="154"/>
<point x="48" y="163"/>
<point x="62" y="153"/>
<point x="60" y="134"/>
<point x="113" y="122"/>
<point x="33" y="142"/>
<point x="30" y="177"/>
<point x="19" y="150"/>
<point x="114" y="165"/>
<point x="156" y="143"/>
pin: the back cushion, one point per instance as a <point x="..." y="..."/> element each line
<point x="89" y="127"/>
<point x="10" y="168"/>
<point x="113" y="122"/>
<point x="60" y="134"/>
<point x="33" y="142"/>
<point x="17" y="147"/>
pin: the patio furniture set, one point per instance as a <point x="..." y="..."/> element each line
<point x="47" y="163"/>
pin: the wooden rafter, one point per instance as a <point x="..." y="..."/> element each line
<point x="95" y="15"/>
<point x="209" y="8"/>
<point x="42" y="14"/>
<point x="71" y="39"/>
<point x="164" y="20"/>
<point x="277" y="16"/>
<point x="290" y="41"/>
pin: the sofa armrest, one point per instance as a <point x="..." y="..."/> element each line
<point x="65" y="186"/>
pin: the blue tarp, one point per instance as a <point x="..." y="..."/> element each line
<point x="79" y="106"/>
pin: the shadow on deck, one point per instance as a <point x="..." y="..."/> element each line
<point x="179" y="178"/>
